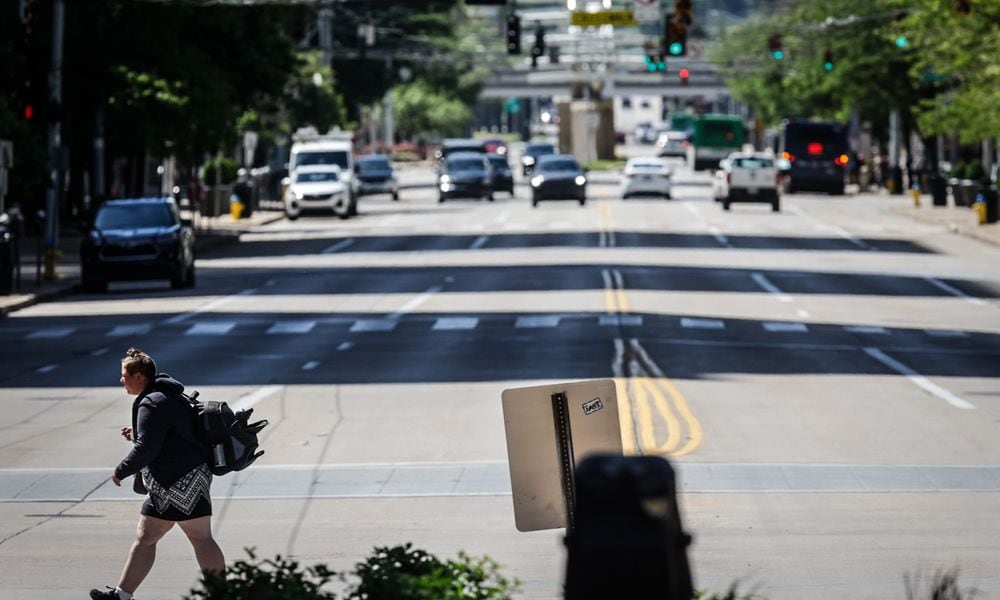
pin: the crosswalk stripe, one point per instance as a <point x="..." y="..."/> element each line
<point x="374" y="325"/>
<point x="537" y="322"/>
<point x="291" y="327"/>
<point x="945" y="333"/>
<point x="616" y="320"/>
<point x="702" y="323"/>
<point x="52" y="332"/>
<point x="213" y="328"/>
<point x="127" y="330"/>
<point x="453" y="323"/>
<point x="866" y="329"/>
<point x="785" y="327"/>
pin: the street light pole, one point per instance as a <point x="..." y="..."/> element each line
<point x="54" y="190"/>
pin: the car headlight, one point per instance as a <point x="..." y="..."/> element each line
<point x="528" y="160"/>
<point x="580" y="180"/>
<point x="167" y="238"/>
<point x="445" y="179"/>
<point x="486" y="180"/>
<point x="95" y="235"/>
<point x="537" y="180"/>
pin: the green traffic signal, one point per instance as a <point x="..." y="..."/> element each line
<point x="778" y="55"/>
<point x="902" y="42"/>
<point x="828" y="66"/>
<point x="676" y="48"/>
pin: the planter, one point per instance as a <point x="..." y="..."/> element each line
<point x="964" y="191"/>
<point x="215" y="201"/>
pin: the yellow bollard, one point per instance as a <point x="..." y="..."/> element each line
<point x="980" y="208"/>
<point x="915" y="192"/>
<point x="236" y="209"/>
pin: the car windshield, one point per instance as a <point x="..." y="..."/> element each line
<point x="753" y="163"/>
<point x="539" y="149"/>
<point x="316" y="177"/>
<point x="647" y="166"/>
<point x="374" y="165"/>
<point x="499" y="162"/>
<point x="465" y="164"/>
<point x="134" y="216"/>
<point x="330" y="157"/>
<point x="559" y="165"/>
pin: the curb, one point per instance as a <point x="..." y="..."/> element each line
<point x="71" y="285"/>
<point x="957" y="223"/>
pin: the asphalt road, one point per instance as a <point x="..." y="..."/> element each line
<point x="825" y="379"/>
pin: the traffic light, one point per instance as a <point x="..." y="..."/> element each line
<point x="774" y="46"/>
<point x="655" y="62"/>
<point x="675" y="42"/>
<point x="828" y="61"/>
<point x="961" y="7"/>
<point x="538" y="49"/>
<point x="900" y="40"/>
<point x="685" y="74"/>
<point x="513" y="34"/>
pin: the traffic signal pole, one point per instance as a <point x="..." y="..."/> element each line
<point x="52" y="194"/>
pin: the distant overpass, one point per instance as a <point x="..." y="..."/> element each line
<point x="556" y="80"/>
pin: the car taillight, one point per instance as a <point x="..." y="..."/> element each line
<point x="788" y="156"/>
<point x="841" y="161"/>
<point x="685" y="143"/>
<point x="814" y="148"/>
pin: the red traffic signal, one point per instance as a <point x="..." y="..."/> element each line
<point x="29" y="112"/>
<point x="684" y="73"/>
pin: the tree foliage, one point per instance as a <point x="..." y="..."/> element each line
<point x="942" y="77"/>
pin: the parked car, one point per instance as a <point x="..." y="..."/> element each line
<point x="376" y="175"/>
<point x="317" y="188"/>
<point x="673" y="143"/>
<point x="531" y="154"/>
<point x="137" y="239"/>
<point x="747" y="177"/>
<point x="465" y="175"/>
<point x="646" y="176"/>
<point x="503" y="177"/>
<point x="558" y="177"/>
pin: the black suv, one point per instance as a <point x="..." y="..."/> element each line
<point x="465" y="175"/>
<point x="134" y="239"/>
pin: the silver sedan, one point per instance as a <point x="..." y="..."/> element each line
<point x="646" y="176"/>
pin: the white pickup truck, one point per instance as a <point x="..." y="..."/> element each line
<point x="747" y="177"/>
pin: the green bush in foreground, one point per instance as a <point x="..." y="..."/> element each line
<point x="396" y="573"/>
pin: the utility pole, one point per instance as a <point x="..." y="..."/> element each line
<point x="389" y="130"/>
<point x="52" y="195"/>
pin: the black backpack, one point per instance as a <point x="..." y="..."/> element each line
<point x="230" y="436"/>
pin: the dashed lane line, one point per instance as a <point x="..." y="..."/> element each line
<point x="954" y="291"/>
<point x="918" y="379"/>
<point x="770" y="288"/>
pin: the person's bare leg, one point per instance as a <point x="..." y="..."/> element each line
<point x="206" y="550"/>
<point x="148" y="532"/>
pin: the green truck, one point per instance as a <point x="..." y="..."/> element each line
<point x="713" y="138"/>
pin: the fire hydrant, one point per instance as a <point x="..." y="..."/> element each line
<point x="236" y="207"/>
<point x="915" y="192"/>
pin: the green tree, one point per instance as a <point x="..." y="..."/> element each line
<point x="424" y="111"/>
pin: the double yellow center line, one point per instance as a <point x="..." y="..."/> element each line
<point x="655" y="417"/>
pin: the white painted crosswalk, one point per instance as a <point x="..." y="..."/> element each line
<point x="51" y="333"/>
<point x="455" y="323"/>
<point x="130" y="330"/>
<point x="212" y="328"/>
<point x="290" y="327"/>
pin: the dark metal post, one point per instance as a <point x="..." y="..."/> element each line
<point x="564" y="446"/>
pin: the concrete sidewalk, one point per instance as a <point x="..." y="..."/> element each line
<point x="961" y="220"/>
<point x="211" y="232"/>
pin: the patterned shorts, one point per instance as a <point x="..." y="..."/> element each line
<point x="188" y="498"/>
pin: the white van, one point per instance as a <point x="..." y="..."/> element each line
<point x="334" y="149"/>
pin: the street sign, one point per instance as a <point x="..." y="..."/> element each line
<point x="549" y="429"/>
<point x="606" y="17"/>
<point x="647" y="11"/>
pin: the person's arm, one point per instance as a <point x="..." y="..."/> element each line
<point x="149" y="434"/>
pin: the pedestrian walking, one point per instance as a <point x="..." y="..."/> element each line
<point x="169" y="463"/>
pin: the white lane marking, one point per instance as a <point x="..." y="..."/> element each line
<point x="256" y="396"/>
<point x="838" y="230"/>
<point x="534" y="322"/>
<point x="271" y="283"/>
<point x="954" y="291"/>
<point x="769" y="287"/>
<point x="409" y="306"/>
<point x="309" y="366"/>
<point x="719" y="237"/>
<point x="339" y="246"/>
<point x="946" y="333"/>
<point x="606" y="276"/>
<point x="502" y="217"/>
<point x="291" y="327"/>
<point x="691" y="209"/>
<point x="125" y="330"/>
<point x="618" y="366"/>
<point x="51" y="333"/>
<point x="918" y="379"/>
<point x="867" y="329"/>
<point x="781" y="326"/>
<point x="612" y="240"/>
<point x="374" y="325"/>
<point x="455" y="323"/>
<point x="602" y="240"/>
<point x="803" y="313"/>
<point x="213" y="328"/>
<point x="619" y="280"/>
<point x="100" y="351"/>
<point x="345" y="346"/>
<point x="210" y="306"/>
<point x="46" y="368"/>
<point x="479" y="242"/>
<point x="702" y="323"/>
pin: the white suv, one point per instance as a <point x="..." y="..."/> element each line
<point x="317" y="187"/>
<point x="328" y="151"/>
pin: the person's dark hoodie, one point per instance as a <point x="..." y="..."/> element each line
<point x="163" y="434"/>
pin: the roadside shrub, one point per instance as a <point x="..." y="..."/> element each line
<point x="228" y="170"/>
<point x="265" y="579"/>
<point x="943" y="585"/>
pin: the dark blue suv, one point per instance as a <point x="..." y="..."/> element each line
<point x="135" y="239"/>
